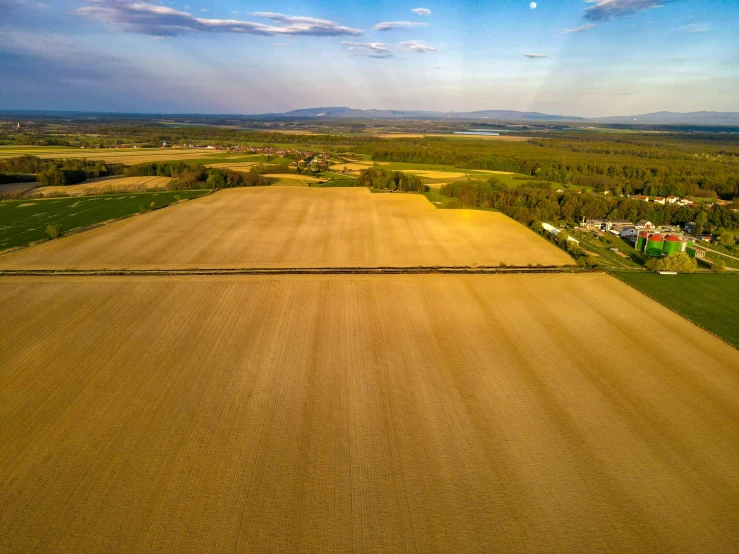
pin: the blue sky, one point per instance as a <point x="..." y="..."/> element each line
<point x="575" y="57"/>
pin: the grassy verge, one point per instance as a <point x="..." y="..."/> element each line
<point x="706" y="300"/>
<point x="24" y="221"/>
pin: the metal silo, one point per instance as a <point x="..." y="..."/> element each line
<point x="655" y="244"/>
<point x="672" y="244"/>
<point x="641" y="241"/>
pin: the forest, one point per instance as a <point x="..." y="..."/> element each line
<point x="623" y="167"/>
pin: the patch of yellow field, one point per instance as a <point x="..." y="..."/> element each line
<point x="110" y="155"/>
<point x="299" y="227"/>
<point x="100" y="186"/>
<point x="436" y="174"/>
<point x="349" y="166"/>
<point x="236" y="166"/>
<point x="295" y="177"/>
<point x="453" y="414"/>
<point x="494" y="172"/>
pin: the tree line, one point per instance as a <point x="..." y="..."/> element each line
<point x="195" y="176"/>
<point x="535" y="202"/>
<point x="57" y="172"/>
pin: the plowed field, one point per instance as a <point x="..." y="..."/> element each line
<point x="296" y="227"/>
<point x="555" y="413"/>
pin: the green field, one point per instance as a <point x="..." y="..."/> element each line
<point x="24" y="221"/>
<point x="707" y="300"/>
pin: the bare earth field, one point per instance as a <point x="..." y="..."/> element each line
<point x="110" y="155"/>
<point x="517" y="413"/>
<point x="236" y="166"/>
<point x="100" y="186"/>
<point x="297" y="227"/>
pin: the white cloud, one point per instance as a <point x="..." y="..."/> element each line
<point x="421" y="11"/>
<point x="580" y="29"/>
<point x="535" y="56"/>
<point x="696" y="28"/>
<point x="416" y="46"/>
<point x="369" y="49"/>
<point x="611" y="9"/>
<point x="151" y="19"/>
<point x="389" y="25"/>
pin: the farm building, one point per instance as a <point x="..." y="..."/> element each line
<point x="695" y="251"/>
<point x="656" y="244"/>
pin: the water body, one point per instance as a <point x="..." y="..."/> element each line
<point x="483" y="133"/>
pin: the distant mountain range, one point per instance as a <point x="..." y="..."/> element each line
<point x="658" y="118"/>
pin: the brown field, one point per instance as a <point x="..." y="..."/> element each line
<point x="237" y="166"/>
<point x="15" y="188"/>
<point x="100" y="186"/>
<point x="530" y="413"/>
<point x="109" y="155"/>
<point x="298" y="227"/>
<point x="436" y="174"/>
<point x="295" y="177"/>
<point x="350" y="166"/>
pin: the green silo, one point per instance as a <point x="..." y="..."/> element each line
<point x="672" y="244"/>
<point x="641" y="241"/>
<point x="654" y="245"/>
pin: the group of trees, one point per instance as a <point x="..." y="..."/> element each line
<point x="383" y="179"/>
<point x="679" y="262"/>
<point x="58" y="172"/>
<point x="193" y="176"/>
<point x="535" y="201"/>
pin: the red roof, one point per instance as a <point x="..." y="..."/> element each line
<point x="656" y="238"/>
<point x="643" y="234"/>
<point x="673" y="238"/>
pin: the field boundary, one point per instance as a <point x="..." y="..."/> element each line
<point x="78" y="230"/>
<point x="388" y="270"/>
<point x="684" y="316"/>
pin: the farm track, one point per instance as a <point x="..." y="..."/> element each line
<point x="390" y="270"/>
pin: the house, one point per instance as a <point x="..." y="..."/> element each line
<point x="659" y="200"/>
<point x="644" y="224"/>
<point x="640" y="197"/>
<point x="672" y="199"/>
<point x="685" y="202"/>
<point x="629" y="233"/>
<point x="550" y="228"/>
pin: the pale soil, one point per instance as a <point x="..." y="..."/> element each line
<point x="298" y="227"/>
<point x="110" y="155"/>
<point x="435" y="174"/>
<point x="555" y="413"/>
<point x="295" y="177"/>
<point x="244" y="167"/>
<point x="99" y="186"/>
<point x="16" y="188"/>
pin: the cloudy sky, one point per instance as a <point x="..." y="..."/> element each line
<point x="573" y="57"/>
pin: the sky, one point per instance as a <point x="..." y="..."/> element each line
<point x="569" y="57"/>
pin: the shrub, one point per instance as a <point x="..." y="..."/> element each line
<point x="678" y="262"/>
<point x="719" y="266"/>
<point x="726" y="238"/>
<point x="54" y="230"/>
